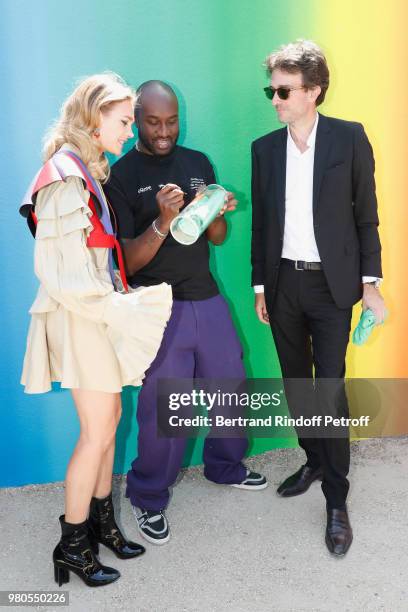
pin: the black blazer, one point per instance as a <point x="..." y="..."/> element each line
<point x="344" y="208"/>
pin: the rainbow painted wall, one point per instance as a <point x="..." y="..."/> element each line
<point x="212" y="52"/>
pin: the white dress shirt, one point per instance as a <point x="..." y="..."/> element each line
<point x="299" y="242"/>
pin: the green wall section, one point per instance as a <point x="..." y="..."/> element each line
<point x="211" y="51"/>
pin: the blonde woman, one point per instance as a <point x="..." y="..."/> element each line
<point x="84" y="333"/>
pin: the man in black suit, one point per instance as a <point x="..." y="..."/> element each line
<point x="315" y="253"/>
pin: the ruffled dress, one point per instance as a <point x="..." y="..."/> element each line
<point x="83" y="333"/>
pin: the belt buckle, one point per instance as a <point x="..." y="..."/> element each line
<point x="296" y="266"/>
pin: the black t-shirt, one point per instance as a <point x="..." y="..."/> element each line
<point x="131" y="190"/>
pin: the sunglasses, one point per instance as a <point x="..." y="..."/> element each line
<point x="283" y="92"/>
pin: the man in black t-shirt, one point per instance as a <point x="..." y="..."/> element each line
<point x="147" y="188"/>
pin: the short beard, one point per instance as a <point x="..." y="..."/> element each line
<point x="149" y="148"/>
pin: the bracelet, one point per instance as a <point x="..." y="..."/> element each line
<point x="157" y="231"/>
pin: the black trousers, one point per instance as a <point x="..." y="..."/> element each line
<point x="311" y="335"/>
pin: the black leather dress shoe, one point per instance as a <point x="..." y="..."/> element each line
<point x="299" y="482"/>
<point x="339" y="534"/>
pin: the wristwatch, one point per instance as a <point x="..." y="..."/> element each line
<point x="375" y="283"/>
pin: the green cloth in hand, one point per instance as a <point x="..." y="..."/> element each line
<point x="364" y="328"/>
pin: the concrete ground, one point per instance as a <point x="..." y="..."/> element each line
<point x="235" y="550"/>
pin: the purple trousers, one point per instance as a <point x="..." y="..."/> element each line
<point x="199" y="341"/>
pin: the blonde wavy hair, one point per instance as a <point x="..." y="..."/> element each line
<point x="80" y="116"/>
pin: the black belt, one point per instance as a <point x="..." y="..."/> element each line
<point x="304" y="266"/>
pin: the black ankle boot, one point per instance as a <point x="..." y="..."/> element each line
<point x="73" y="553"/>
<point x="103" y="529"/>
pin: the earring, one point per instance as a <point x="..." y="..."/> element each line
<point x="97" y="133"/>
